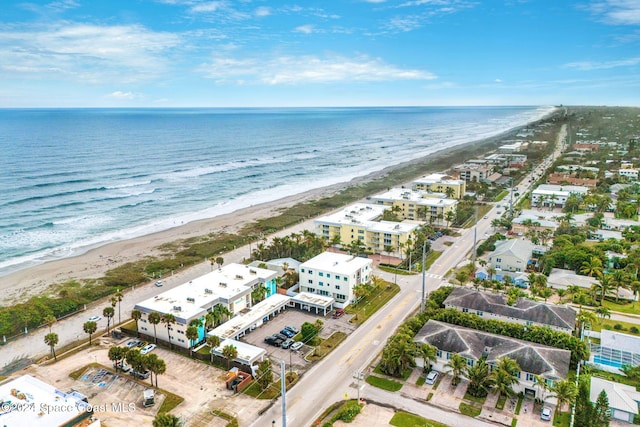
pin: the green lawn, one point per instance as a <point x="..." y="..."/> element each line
<point x="479" y="400"/>
<point x="610" y="325"/>
<point x="501" y="401"/>
<point x="470" y="410"/>
<point x="500" y="195"/>
<point x="327" y="346"/>
<point x="404" y="419"/>
<point x="370" y="304"/>
<point x="383" y="383"/>
<point x="629" y="307"/>
<point x="562" y="419"/>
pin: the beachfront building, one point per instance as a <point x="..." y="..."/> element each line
<point x="552" y="364"/>
<point x="524" y="311"/>
<point x="624" y="400"/>
<point x="474" y="172"/>
<point x="28" y="401"/>
<point x="418" y="205"/>
<point x="230" y="286"/>
<point x="511" y="255"/>
<point x="547" y="195"/>
<point x="335" y="275"/>
<point x="441" y="183"/>
<point x="361" y="222"/>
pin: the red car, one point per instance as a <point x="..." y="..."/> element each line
<point x="338" y="313"/>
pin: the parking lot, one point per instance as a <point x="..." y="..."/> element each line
<point x="294" y="318"/>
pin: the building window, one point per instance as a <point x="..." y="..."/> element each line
<point x="498" y="259"/>
<point x="470" y="362"/>
<point x="465" y="310"/>
<point x="530" y="377"/>
<point x="321" y="274"/>
<point x="448" y="356"/>
<point x="310" y="271"/>
<point x="439" y="354"/>
<point x="479" y="313"/>
<point x="328" y="276"/>
<point x="320" y="283"/>
<point x="337" y="286"/>
<point x="302" y="270"/>
<point x="310" y="282"/>
<point x="337" y="277"/>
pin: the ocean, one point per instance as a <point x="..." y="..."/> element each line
<point x="72" y="179"/>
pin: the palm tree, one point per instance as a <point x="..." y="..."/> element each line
<point x="480" y="381"/>
<point x="116" y="354"/>
<point x="503" y="381"/>
<point x="456" y="365"/>
<point x="584" y="318"/>
<point x="429" y="355"/>
<point x="49" y="320"/>
<point x="154" y="318"/>
<point x="118" y="296"/>
<point x="229" y="352"/>
<point x="604" y="286"/>
<point x="213" y="341"/>
<point x="51" y="339"/>
<point x="565" y="391"/>
<point x="156" y="365"/>
<point x="592" y="267"/>
<point x="192" y="335"/>
<point x="603" y="312"/>
<point x="136" y="315"/>
<point x="89" y="328"/>
<point x="220" y="313"/>
<point x="219" y="261"/>
<point x="258" y="293"/>
<point x="108" y="312"/>
<point x="541" y="384"/>
<point x="620" y="280"/>
<point x="166" y="420"/>
<point x="169" y="319"/>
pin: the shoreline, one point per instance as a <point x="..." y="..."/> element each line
<point x="19" y="285"/>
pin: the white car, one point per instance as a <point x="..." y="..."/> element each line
<point x="545" y="415"/>
<point x="148" y="349"/>
<point x="95" y="319"/>
<point x="296" y="346"/>
<point x="159" y="283"/>
<point x="431" y="377"/>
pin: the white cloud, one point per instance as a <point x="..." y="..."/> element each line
<point x="262" y="11"/>
<point x="617" y="12"/>
<point x="306" y="29"/>
<point x="307" y="69"/>
<point x="374" y="1"/>
<point x="211" y="6"/>
<point x="591" y="65"/>
<point x="63" y="5"/>
<point x="498" y="80"/>
<point x="94" y="53"/>
<point x="122" y="95"/>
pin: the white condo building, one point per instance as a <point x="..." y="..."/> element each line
<point x="335" y="275"/>
<point x="556" y="195"/>
<point x="230" y="286"/>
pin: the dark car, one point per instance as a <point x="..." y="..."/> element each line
<point x="287" y="343"/>
<point x="282" y="337"/>
<point x="292" y="329"/>
<point x="287" y="333"/>
<point x="142" y="375"/>
<point x="273" y="340"/>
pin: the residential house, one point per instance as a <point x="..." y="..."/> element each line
<point x="629" y="173"/>
<point x="230" y="286"/>
<point x="511" y="255"/>
<point x="525" y="311"/>
<point x="335" y="275"/>
<point x="550" y="363"/>
<point x="561" y="279"/>
<point x="623" y="399"/>
<point x="569" y="179"/>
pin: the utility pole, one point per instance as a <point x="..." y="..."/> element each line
<point x="510" y="200"/>
<point x="283" y="393"/>
<point x="359" y="376"/>
<point x="424" y="270"/>
<point x="473" y="253"/>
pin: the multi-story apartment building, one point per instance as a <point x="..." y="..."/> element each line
<point x="361" y="222"/>
<point x="230" y="286"/>
<point x="441" y="183"/>
<point x="417" y="205"/>
<point x="335" y="275"/>
<point x="474" y="172"/>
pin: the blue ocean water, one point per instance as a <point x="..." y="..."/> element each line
<point x="77" y="178"/>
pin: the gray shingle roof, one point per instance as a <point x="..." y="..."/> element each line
<point x="524" y="308"/>
<point x="516" y="247"/>
<point x="537" y="359"/>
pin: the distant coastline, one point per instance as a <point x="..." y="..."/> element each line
<point x="94" y="262"/>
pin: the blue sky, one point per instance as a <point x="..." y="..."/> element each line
<point x="204" y="53"/>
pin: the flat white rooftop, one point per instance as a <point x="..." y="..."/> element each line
<point x="314" y="300"/>
<point x="242" y="322"/>
<point x="42" y="404"/>
<point x="436" y="178"/>
<point x="419" y="197"/>
<point x="247" y="353"/>
<point x="560" y="189"/>
<point x="219" y="286"/>
<point x="358" y="213"/>
<point x="336" y="263"/>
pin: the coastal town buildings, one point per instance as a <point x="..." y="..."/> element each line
<point x="552" y="364"/>
<point x="418" y="205"/>
<point x="511" y="255"/>
<point x="524" y="311"/>
<point x="547" y="195"/>
<point x="441" y="183"/>
<point x="230" y="286"/>
<point x="474" y="172"/>
<point x="335" y="275"/>
<point x="362" y="222"/>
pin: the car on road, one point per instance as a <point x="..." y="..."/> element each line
<point x="148" y="349"/>
<point x="296" y="346"/>
<point x="432" y="377"/>
<point x="159" y="283"/>
<point x="292" y="329"/>
<point x="287" y="343"/>
<point x="132" y="343"/>
<point x="545" y="414"/>
<point x="94" y="319"/>
<point x="287" y="333"/>
<point x="486" y="217"/>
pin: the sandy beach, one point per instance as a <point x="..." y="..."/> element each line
<point x="20" y="285"/>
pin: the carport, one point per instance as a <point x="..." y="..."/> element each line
<point x="307" y="301"/>
<point x="239" y="325"/>
<point x="248" y="354"/>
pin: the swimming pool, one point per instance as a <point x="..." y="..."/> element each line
<point x="608" y="362"/>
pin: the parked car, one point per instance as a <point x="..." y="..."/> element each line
<point x="132" y="343"/>
<point x="159" y="283"/>
<point x="432" y="377"/>
<point x="273" y="340"/>
<point x="287" y="343"/>
<point x="94" y="319"/>
<point x="122" y="365"/>
<point x="545" y="414"/>
<point x="296" y="346"/>
<point x="282" y="337"/>
<point x="287" y="333"/>
<point x="142" y="375"/>
<point x="141" y="344"/>
<point x="148" y="349"/>
<point x="338" y="313"/>
<point x="292" y="329"/>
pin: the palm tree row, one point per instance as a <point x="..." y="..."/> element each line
<point x="138" y="362"/>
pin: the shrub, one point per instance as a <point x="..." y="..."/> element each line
<point x="618" y="327"/>
<point x="634" y="330"/>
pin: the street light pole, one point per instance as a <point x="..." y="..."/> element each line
<point x="283" y="393"/>
<point x="424" y="270"/>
